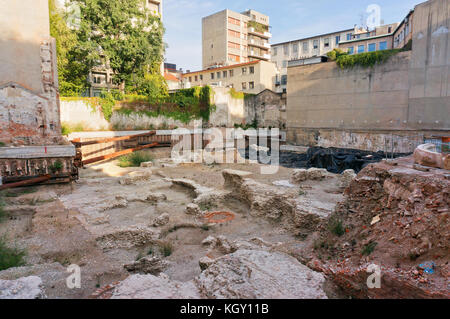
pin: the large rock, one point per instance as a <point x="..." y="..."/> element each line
<point x="256" y="274"/>
<point x="152" y="287"/>
<point x="127" y="238"/>
<point x="346" y="177"/>
<point x="234" y="178"/>
<point x="22" y="288"/>
<point x="193" y="209"/>
<point x="301" y="175"/>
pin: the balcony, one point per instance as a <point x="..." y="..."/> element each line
<point x="266" y="35"/>
<point x="257" y="55"/>
<point x="259" y="44"/>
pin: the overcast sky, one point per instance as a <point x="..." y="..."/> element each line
<point x="289" y="19"/>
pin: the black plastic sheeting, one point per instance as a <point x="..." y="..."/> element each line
<point x="334" y="160"/>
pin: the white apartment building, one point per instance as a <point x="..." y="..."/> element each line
<point x="304" y="48"/>
<point x="230" y="37"/>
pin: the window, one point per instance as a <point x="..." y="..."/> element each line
<point x="286" y="49"/>
<point x="351" y="50"/>
<point x="244" y="85"/>
<point x="190" y="79"/>
<point x="196" y="78"/>
<point x="305" y="47"/>
<point x="295" y="47"/>
<point x="212" y="46"/>
<point x="251" y="85"/>
<point x="361" y="48"/>
<point x="284" y="64"/>
<point x="234" y="21"/>
<point x="201" y="77"/>
<point x="224" y="73"/>
<point x="218" y="75"/>
<point x="275" y="51"/>
<point x="212" y="76"/>
<point x="233" y="58"/>
<point x="338" y="39"/>
<point x="244" y="70"/>
<point x="390" y="30"/>
<point x="383" y="45"/>
<point x="372" y="47"/>
<point x="357" y="36"/>
<point x="349" y="36"/>
<point x="252" y="70"/>
<point x="283" y="79"/>
<point x="233" y="45"/>
<point x="326" y="43"/>
<point x="234" y="34"/>
<point x="231" y="73"/>
<point x="316" y="44"/>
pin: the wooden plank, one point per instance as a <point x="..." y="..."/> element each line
<point x="117" y="154"/>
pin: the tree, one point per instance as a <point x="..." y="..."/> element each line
<point x="72" y="69"/>
<point x="123" y="34"/>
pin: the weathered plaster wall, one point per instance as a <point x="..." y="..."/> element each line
<point x="24" y="24"/>
<point x="29" y="98"/>
<point x="229" y="110"/>
<point x="80" y="113"/>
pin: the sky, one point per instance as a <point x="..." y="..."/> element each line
<point x="289" y="19"/>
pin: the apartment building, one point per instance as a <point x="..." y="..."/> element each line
<point x="250" y="77"/>
<point x="230" y="37"/>
<point x="304" y="48"/>
<point x="381" y="38"/>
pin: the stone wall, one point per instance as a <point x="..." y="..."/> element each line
<point x="267" y="108"/>
<point x="392" y="105"/>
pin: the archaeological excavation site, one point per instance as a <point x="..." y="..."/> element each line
<point x="210" y="193"/>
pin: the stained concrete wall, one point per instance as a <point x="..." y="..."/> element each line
<point x="390" y="106"/>
<point x="429" y="75"/>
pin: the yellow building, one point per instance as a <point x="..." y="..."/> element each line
<point x="250" y="77"/>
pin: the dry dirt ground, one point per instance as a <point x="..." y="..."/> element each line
<point x="105" y="221"/>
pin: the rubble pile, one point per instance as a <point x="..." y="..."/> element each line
<point x="396" y="217"/>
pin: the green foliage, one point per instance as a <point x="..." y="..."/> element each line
<point x="259" y="27"/>
<point x="184" y="105"/>
<point x="2" y="144"/>
<point x="72" y="69"/>
<point x="152" y="84"/>
<point x="56" y="166"/>
<point x="135" y="159"/>
<point x="336" y="227"/>
<point x="129" y="35"/>
<point x="107" y="103"/>
<point x="336" y="53"/>
<point x="236" y="95"/>
<point x="252" y="125"/>
<point x="369" y="248"/>
<point x="65" y="129"/>
<point x="368" y="59"/>
<point x="166" y="249"/>
<point x="2" y="211"/>
<point x="10" y="257"/>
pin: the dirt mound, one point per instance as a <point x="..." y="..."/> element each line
<point x="395" y="217"/>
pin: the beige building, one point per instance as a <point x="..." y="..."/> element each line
<point x="305" y="48"/>
<point x="251" y="77"/>
<point x="230" y="37"/>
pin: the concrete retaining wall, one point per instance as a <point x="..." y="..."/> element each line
<point x="395" y="103"/>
